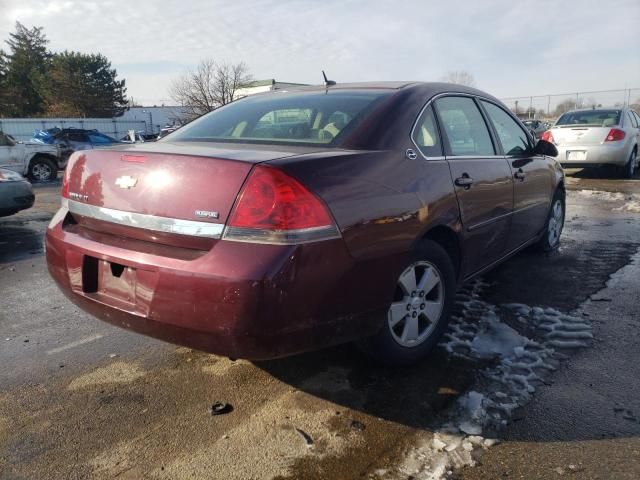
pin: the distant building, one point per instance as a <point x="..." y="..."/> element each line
<point x="156" y="117"/>
<point x="260" y="86"/>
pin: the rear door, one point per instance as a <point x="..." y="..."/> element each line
<point x="482" y="179"/>
<point x="533" y="178"/>
<point x="78" y="141"/>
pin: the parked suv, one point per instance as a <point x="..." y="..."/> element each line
<point x="73" y="139"/>
<point x="38" y="161"/>
<point x="598" y="137"/>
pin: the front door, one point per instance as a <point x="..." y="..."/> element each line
<point x="482" y="179"/>
<point x="533" y="177"/>
<point x="10" y="154"/>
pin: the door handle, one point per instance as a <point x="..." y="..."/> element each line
<point x="464" y="181"/>
<point x="520" y="174"/>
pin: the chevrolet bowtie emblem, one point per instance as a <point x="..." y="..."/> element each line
<point x="126" y="182"/>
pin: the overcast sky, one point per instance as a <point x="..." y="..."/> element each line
<point x="512" y="47"/>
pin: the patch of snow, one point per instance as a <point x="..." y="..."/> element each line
<point x="477" y="333"/>
<point x="601" y="195"/>
<point x="496" y="339"/>
<point x="631" y="206"/>
<point x="632" y="200"/>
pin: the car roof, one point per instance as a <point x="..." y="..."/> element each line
<point x="600" y="109"/>
<point x="427" y="89"/>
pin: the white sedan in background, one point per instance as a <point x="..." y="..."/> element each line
<point x="597" y="137"/>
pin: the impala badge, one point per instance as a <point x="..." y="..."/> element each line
<point x="126" y="182"/>
<point x="207" y="214"/>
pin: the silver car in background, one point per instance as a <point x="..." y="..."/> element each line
<point x="16" y="193"/>
<point x="597" y="137"/>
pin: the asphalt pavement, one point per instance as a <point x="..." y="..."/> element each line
<point x="83" y="399"/>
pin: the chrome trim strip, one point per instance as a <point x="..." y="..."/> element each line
<point x="489" y="221"/>
<point x="500" y="217"/>
<point x="281" y="237"/>
<point x="479" y="157"/>
<point x="147" y="222"/>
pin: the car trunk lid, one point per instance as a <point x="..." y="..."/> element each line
<point x="171" y="194"/>
<point x="571" y="135"/>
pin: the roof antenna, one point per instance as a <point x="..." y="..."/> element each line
<point x="327" y="83"/>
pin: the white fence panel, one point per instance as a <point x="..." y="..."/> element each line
<point x="23" y="128"/>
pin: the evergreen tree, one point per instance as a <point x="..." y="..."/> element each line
<point x="83" y="85"/>
<point x="4" y="95"/>
<point x="24" y="68"/>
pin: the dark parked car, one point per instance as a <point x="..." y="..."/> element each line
<point x="290" y="221"/>
<point x="537" y="127"/>
<point x="16" y="193"/>
<point x="74" y="139"/>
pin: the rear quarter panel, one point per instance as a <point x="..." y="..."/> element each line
<point x="382" y="202"/>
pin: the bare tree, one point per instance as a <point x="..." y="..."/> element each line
<point x="460" y="77"/>
<point x="564" y="106"/>
<point x="209" y="86"/>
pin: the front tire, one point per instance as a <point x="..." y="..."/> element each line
<point x="42" y="169"/>
<point x="419" y="314"/>
<point x="555" y="223"/>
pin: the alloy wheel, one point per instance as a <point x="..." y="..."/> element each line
<point x="41" y="172"/>
<point x="418" y="304"/>
<point x="556" y="220"/>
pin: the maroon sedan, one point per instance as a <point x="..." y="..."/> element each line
<point x="294" y="220"/>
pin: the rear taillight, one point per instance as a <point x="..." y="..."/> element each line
<point x="548" y="137"/>
<point x="614" y="135"/>
<point x="275" y="208"/>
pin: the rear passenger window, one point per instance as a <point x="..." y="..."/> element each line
<point x="513" y="138"/>
<point x="425" y="134"/>
<point x="632" y="119"/>
<point x="465" y="128"/>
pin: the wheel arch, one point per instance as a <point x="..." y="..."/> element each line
<point x="449" y="240"/>
<point x="46" y="155"/>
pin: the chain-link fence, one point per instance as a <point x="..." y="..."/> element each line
<point x="549" y="107"/>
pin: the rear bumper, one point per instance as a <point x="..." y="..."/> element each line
<point x="614" y="153"/>
<point x="238" y="299"/>
<point x="15" y="196"/>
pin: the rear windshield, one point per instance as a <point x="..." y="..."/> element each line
<point x="284" y="118"/>
<point x="600" y="118"/>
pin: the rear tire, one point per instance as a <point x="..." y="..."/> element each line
<point x="419" y="314"/>
<point x="555" y="223"/>
<point x="630" y="168"/>
<point x="42" y="169"/>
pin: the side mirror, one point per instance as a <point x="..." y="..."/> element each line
<point x="545" y="148"/>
